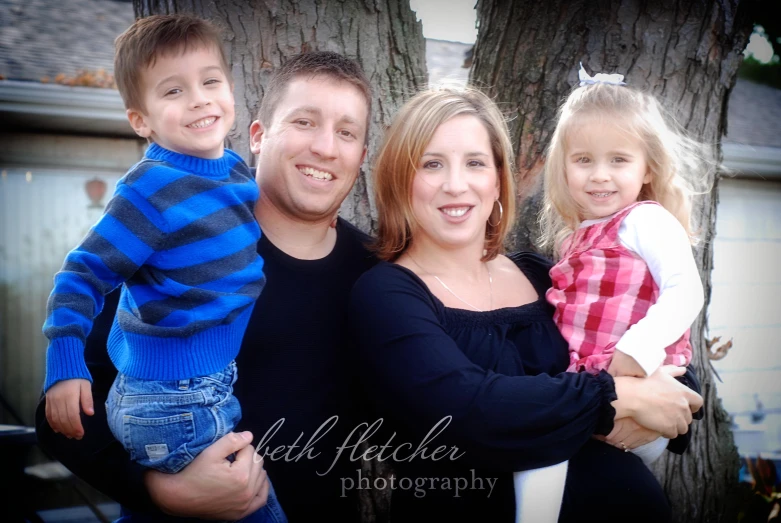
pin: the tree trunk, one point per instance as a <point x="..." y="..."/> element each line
<point x="685" y="52"/>
<point x="259" y="36"/>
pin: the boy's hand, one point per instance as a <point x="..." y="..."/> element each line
<point x="625" y="365"/>
<point x="63" y="400"/>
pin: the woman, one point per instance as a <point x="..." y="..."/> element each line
<point x="454" y="335"/>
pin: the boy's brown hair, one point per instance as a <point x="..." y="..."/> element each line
<point x="310" y="64"/>
<point x="148" y="38"/>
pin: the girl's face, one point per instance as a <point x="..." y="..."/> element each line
<point x="455" y="185"/>
<point x="605" y="167"/>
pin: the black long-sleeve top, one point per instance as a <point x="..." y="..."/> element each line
<point x="499" y="374"/>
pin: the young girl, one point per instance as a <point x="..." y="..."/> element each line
<point x="617" y="211"/>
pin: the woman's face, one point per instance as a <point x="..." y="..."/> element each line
<point x="455" y="185"/>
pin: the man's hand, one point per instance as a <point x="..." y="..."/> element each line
<point x="624" y="365"/>
<point x="211" y="487"/>
<point x="63" y="400"/>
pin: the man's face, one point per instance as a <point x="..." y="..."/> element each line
<point x="188" y="103"/>
<point x="312" y="150"/>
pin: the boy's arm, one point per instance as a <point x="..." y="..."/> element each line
<point x="127" y="234"/>
<point x="98" y="458"/>
<point x="101" y="461"/>
<point x="657" y="237"/>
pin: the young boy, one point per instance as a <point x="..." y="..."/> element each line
<point x="180" y="233"/>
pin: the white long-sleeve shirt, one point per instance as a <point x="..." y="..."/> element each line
<point x="660" y="240"/>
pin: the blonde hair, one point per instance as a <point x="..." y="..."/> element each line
<point x="404" y="144"/>
<point x="670" y="154"/>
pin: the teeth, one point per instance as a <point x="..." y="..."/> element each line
<point x="204" y="122"/>
<point x="455" y="212"/>
<point x="601" y="194"/>
<point x="317" y="175"/>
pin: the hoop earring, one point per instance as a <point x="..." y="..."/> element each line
<point x="501" y="213"/>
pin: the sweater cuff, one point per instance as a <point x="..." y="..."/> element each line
<point x="607" y="413"/>
<point x="65" y="361"/>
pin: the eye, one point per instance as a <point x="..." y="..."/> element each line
<point x="347" y="134"/>
<point x="582" y="159"/>
<point x="475" y="163"/>
<point x="432" y="164"/>
<point x="619" y="159"/>
<point x="211" y="81"/>
<point x="171" y="92"/>
<point x="303" y="123"/>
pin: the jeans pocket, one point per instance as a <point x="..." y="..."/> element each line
<point x="160" y="443"/>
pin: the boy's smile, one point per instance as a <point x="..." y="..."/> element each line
<point x="189" y="107"/>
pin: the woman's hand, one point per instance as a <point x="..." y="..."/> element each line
<point x="627" y="434"/>
<point x="658" y="402"/>
<point x="211" y="487"/>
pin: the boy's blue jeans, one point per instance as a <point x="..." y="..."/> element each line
<point x="164" y="425"/>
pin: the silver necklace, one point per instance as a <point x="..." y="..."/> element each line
<point x="459" y="298"/>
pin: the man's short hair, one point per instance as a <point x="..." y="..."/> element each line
<point x="311" y="64"/>
<point x="149" y="38"/>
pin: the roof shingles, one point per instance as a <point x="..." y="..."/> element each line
<point x="43" y="38"/>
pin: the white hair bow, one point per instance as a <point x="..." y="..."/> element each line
<point x="599" y="78"/>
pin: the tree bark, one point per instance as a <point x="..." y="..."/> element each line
<point x="384" y="36"/>
<point x="687" y="53"/>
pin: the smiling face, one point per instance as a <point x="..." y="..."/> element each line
<point x="455" y="185"/>
<point x="188" y="103"/>
<point x="312" y="150"/>
<point x="605" y="167"/>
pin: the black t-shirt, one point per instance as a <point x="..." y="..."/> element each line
<point x="294" y="365"/>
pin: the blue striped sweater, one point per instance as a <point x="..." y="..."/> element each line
<point x="180" y="233"/>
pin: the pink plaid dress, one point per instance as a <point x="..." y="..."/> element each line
<point x="600" y="289"/>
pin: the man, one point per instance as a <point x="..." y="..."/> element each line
<point x="311" y="140"/>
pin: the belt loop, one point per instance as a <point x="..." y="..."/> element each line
<point x="184" y="384"/>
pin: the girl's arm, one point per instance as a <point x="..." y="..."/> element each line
<point x="660" y="240"/>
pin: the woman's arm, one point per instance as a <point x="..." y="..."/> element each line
<point x="417" y="376"/>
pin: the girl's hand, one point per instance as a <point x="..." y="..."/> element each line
<point x="624" y="365"/>
<point x="627" y="434"/>
<point x="658" y="402"/>
<point x="63" y="400"/>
